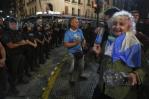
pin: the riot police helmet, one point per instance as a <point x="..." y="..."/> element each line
<point x="9" y="20"/>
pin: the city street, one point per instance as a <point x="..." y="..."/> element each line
<point x="83" y="88"/>
<point x="51" y="81"/>
<point x="74" y="49"/>
<point x="39" y="80"/>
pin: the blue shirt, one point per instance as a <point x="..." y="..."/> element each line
<point x="71" y="36"/>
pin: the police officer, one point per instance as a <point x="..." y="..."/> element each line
<point x="14" y="58"/>
<point x="52" y="36"/>
<point x="29" y="37"/>
<point x="60" y="33"/>
<point x="47" y="40"/>
<point x="40" y="42"/>
<point x="50" y="31"/>
<point x="55" y="35"/>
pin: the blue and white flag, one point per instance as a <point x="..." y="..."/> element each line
<point x="128" y="49"/>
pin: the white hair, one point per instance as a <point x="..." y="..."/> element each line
<point x="131" y="18"/>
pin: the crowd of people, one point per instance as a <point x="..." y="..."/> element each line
<point x="118" y="44"/>
<point x="121" y="46"/>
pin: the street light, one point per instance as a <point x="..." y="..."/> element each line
<point x="1" y="11"/>
<point x="10" y="12"/>
<point x="97" y="4"/>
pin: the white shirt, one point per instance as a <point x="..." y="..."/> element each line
<point x="108" y="49"/>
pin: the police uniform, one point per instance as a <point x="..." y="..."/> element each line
<point x="40" y="36"/>
<point x="14" y="57"/>
<point x="46" y="44"/>
<point x="30" y="51"/>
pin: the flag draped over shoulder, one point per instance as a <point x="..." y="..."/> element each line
<point x="128" y="49"/>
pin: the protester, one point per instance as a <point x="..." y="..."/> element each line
<point x="74" y="41"/>
<point x="122" y="60"/>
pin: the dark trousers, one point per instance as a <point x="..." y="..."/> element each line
<point x="16" y="64"/>
<point x="30" y="57"/>
<point x="46" y="49"/>
<point x="3" y="82"/>
<point x="41" y="54"/>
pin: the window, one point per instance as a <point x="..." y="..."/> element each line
<point x="92" y="4"/>
<point x="88" y="3"/>
<point x="108" y="2"/>
<point x="35" y="9"/>
<point x="66" y="9"/>
<point x="32" y="11"/>
<point x="79" y="12"/>
<point x="73" y="11"/>
<point x="73" y="1"/>
<point x="79" y="2"/>
<point x="50" y="7"/>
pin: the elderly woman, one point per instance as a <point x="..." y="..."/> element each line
<point x="121" y="70"/>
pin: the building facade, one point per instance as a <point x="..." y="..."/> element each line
<point x="82" y="8"/>
<point x="141" y="5"/>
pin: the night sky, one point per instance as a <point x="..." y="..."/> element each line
<point x="5" y="7"/>
<point x="4" y="4"/>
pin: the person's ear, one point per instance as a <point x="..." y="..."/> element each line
<point x="129" y="24"/>
<point x="71" y="23"/>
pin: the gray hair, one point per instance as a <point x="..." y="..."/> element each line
<point x="131" y="18"/>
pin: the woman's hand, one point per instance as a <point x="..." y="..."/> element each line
<point x="133" y="79"/>
<point x="97" y="49"/>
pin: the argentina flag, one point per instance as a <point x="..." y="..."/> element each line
<point x="128" y="49"/>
